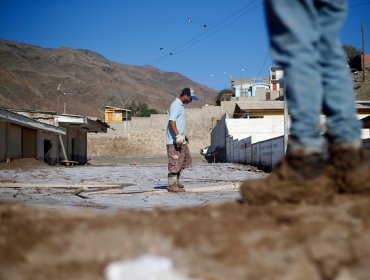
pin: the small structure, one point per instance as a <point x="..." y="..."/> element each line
<point x="259" y="88"/>
<point x="262" y="122"/>
<point x="23" y="137"/>
<point x="70" y="147"/>
<point x="258" y="109"/>
<point x="115" y="114"/>
<point x="276" y="77"/>
<point x="359" y="60"/>
<point x="248" y="87"/>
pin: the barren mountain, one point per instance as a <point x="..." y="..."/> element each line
<point x="30" y="75"/>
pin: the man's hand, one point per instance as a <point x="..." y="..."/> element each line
<point x="180" y="139"/>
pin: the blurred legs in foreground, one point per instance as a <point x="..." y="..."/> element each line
<point x="304" y="38"/>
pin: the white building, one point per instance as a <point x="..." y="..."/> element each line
<point x="255" y="132"/>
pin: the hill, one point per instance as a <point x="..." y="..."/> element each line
<point x="30" y="75"/>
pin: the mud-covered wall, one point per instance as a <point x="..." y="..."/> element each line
<point x="146" y="137"/>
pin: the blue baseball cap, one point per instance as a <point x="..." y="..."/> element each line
<point x="190" y="92"/>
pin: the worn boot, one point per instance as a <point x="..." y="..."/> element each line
<point x="172" y="183"/>
<point x="297" y="177"/>
<point x="351" y="171"/>
<point x="179" y="184"/>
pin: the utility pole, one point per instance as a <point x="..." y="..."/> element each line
<point x="363" y="52"/>
<point x="64" y="107"/>
<point x="241" y="82"/>
<point x="58" y="98"/>
<point x="282" y="90"/>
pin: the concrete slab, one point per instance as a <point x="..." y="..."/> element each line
<point x="117" y="186"/>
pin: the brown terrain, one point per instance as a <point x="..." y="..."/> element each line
<point x="213" y="242"/>
<point x="30" y="75"/>
<point x="229" y="240"/>
<point x="29" y="78"/>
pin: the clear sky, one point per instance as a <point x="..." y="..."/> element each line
<point x="208" y="41"/>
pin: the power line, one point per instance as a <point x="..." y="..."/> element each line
<point x="205" y="34"/>
<point x="264" y="62"/>
<point x="218" y="29"/>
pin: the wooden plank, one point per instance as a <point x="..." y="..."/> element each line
<point x="65" y="186"/>
<point x="233" y="187"/>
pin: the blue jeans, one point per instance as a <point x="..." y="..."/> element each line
<point x="304" y="37"/>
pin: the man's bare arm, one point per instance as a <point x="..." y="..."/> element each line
<point x="174" y="127"/>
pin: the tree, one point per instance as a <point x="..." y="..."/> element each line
<point x="351" y="52"/>
<point x="223" y="95"/>
<point x="140" y="109"/>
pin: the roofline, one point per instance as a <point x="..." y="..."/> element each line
<point x="28" y="122"/>
<point x="58" y="114"/>
<point x="42" y="112"/>
<point x="358" y="110"/>
<point x="117" y="108"/>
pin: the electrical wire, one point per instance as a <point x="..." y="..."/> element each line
<point x="264" y="62"/>
<point x="207" y="33"/>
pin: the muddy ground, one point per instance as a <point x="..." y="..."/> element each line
<point x="219" y="239"/>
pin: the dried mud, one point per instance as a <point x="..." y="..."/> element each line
<point x="217" y="241"/>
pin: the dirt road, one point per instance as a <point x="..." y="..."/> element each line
<point x="224" y="240"/>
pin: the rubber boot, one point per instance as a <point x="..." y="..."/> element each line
<point x="297" y="177"/>
<point x="172" y="183"/>
<point x="179" y="184"/>
<point x="351" y="170"/>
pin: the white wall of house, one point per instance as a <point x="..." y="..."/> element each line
<point x="264" y="154"/>
<point x="258" y="87"/>
<point x="259" y="129"/>
<point x="242" y="89"/>
<point x="255" y="130"/>
<point x="218" y="134"/>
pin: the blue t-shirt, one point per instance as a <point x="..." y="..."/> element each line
<point x="177" y="114"/>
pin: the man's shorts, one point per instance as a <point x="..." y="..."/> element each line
<point x="178" y="158"/>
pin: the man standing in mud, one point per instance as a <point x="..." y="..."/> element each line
<point x="177" y="149"/>
<point x="304" y="37"/>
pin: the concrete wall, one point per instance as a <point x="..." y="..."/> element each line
<point x="264" y="154"/>
<point x="75" y="144"/>
<point x="2" y="141"/>
<point x="218" y="139"/>
<point x="146" y="137"/>
<point x="226" y="129"/>
<point x="261" y="129"/>
<point x="269" y="152"/>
